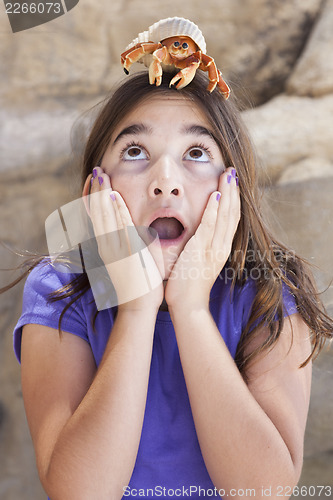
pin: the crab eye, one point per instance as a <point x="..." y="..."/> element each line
<point x="185" y="45"/>
<point x="176" y="44"/>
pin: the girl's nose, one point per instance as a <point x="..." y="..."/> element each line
<point x="165" y="181"/>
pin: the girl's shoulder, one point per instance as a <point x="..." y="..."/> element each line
<point x="48" y="276"/>
<point x="241" y="294"/>
<point x="45" y="302"/>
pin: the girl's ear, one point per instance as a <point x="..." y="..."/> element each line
<point x="86" y="193"/>
<point x="87" y="185"/>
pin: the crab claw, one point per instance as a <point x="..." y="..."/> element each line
<point x="184" y="77"/>
<point x="223" y="87"/>
<point x="155" y="73"/>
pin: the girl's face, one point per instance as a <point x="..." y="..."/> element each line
<point x="163" y="160"/>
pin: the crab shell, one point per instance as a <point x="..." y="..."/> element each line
<point x="166" y="28"/>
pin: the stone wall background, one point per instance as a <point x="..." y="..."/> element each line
<point x="277" y="57"/>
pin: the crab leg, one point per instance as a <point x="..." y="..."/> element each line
<point x="135" y="53"/>
<point x="124" y="54"/>
<point x="214" y="75"/>
<point x="155" y="69"/>
<point x="208" y="64"/>
<point x="223" y="87"/>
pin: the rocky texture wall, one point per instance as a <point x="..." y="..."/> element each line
<point x="277" y="57"/>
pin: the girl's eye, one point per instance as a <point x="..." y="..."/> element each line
<point x="185" y="45"/>
<point x="176" y="44"/>
<point x="134" y="152"/>
<point x="197" y="154"/>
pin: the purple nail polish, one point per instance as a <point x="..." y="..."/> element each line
<point x="113" y="197"/>
<point x="95" y="173"/>
<point x="229" y="179"/>
<point x="233" y="173"/>
<point x="218" y="196"/>
<point x="237" y="181"/>
<point x="100" y="180"/>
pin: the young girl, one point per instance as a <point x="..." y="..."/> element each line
<point x="195" y="388"/>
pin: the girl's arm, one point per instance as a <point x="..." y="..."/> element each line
<point x="251" y="436"/>
<point x="86" y="423"/>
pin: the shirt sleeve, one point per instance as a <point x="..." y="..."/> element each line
<point x="248" y="295"/>
<point x="37" y="309"/>
<point x="289" y="302"/>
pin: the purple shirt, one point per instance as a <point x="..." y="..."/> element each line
<point x="169" y="461"/>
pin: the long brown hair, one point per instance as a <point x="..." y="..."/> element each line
<point x="254" y="248"/>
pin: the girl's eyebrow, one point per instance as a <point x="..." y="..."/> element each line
<point x="198" y="130"/>
<point x="195" y="129"/>
<point x="136" y="128"/>
<point x="141" y="128"/>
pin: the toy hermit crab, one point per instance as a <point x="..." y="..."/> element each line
<point x="174" y="43"/>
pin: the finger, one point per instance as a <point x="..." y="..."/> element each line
<point x="229" y="210"/>
<point x="206" y="229"/>
<point x="130" y="237"/>
<point x="235" y="205"/>
<point x="223" y="208"/>
<point x="101" y="209"/>
<point x="120" y="214"/>
<point x="234" y="212"/>
<point x="113" y="199"/>
<point x="97" y="179"/>
<point x="234" y="216"/>
<point x="123" y="213"/>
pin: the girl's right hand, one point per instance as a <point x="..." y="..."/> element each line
<point x="130" y="265"/>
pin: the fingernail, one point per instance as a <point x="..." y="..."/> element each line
<point x="237" y="181"/>
<point x="233" y="173"/>
<point x="100" y="180"/>
<point x="218" y="196"/>
<point x="229" y="179"/>
<point x="113" y="197"/>
<point x="95" y="173"/>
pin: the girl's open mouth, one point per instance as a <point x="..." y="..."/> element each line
<point x="167" y="228"/>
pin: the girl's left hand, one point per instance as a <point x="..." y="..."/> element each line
<point x="207" y="251"/>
